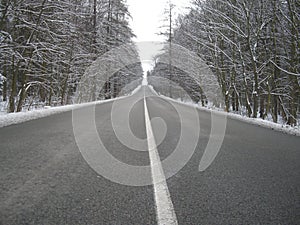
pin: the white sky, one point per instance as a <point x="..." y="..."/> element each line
<point x="148" y="17"/>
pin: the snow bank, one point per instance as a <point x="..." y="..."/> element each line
<point x="152" y="89"/>
<point x="7" y="119"/>
<point x="256" y="121"/>
<point x="16" y="118"/>
<point x="136" y="90"/>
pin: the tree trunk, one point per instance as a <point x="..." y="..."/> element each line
<point x="50" y="97"/>
<point x="4" y="91"/>
<point x="262" y="108"/>
<point x="23" y="93"/>
<point x="13" y="90"/>
<point x="4" y="94"/>
<point x="64" y="90"/>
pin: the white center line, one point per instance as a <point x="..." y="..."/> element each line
<point x="164" y="207"/>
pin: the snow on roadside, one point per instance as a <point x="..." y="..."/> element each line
<point x="136" y="90"/>
<point x="256" y="121"/>
<point x="7" y="119"/>
<point x="259" y="122"/>
<point x="20" y="117"/>
<point x="152" y="89"/>
<point x="16" y="118"/>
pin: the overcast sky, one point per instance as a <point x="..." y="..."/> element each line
<point x="148" y="16"/>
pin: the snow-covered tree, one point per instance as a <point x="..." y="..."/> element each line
<point x="46" y="46"/>
<point x="253" y="48"/>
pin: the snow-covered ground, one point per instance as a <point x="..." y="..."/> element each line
<point x="7" y="119"/>
<point x="256" y="121"/>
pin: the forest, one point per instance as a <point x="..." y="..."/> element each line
<point x="253" y="48"/>
<point x="46" y="45"/>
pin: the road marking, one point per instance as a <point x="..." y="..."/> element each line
<point x="164" y="207"/>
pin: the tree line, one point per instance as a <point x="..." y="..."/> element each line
<point x="253" y="49"/>
<point x="46" y="45"/>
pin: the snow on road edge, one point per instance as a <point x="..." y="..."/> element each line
<point x="20" y="117"/>
<point x="255" y="121"/>
<point x="16" y="118"/>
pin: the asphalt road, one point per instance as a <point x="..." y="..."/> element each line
<point x="44" y="178"/>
